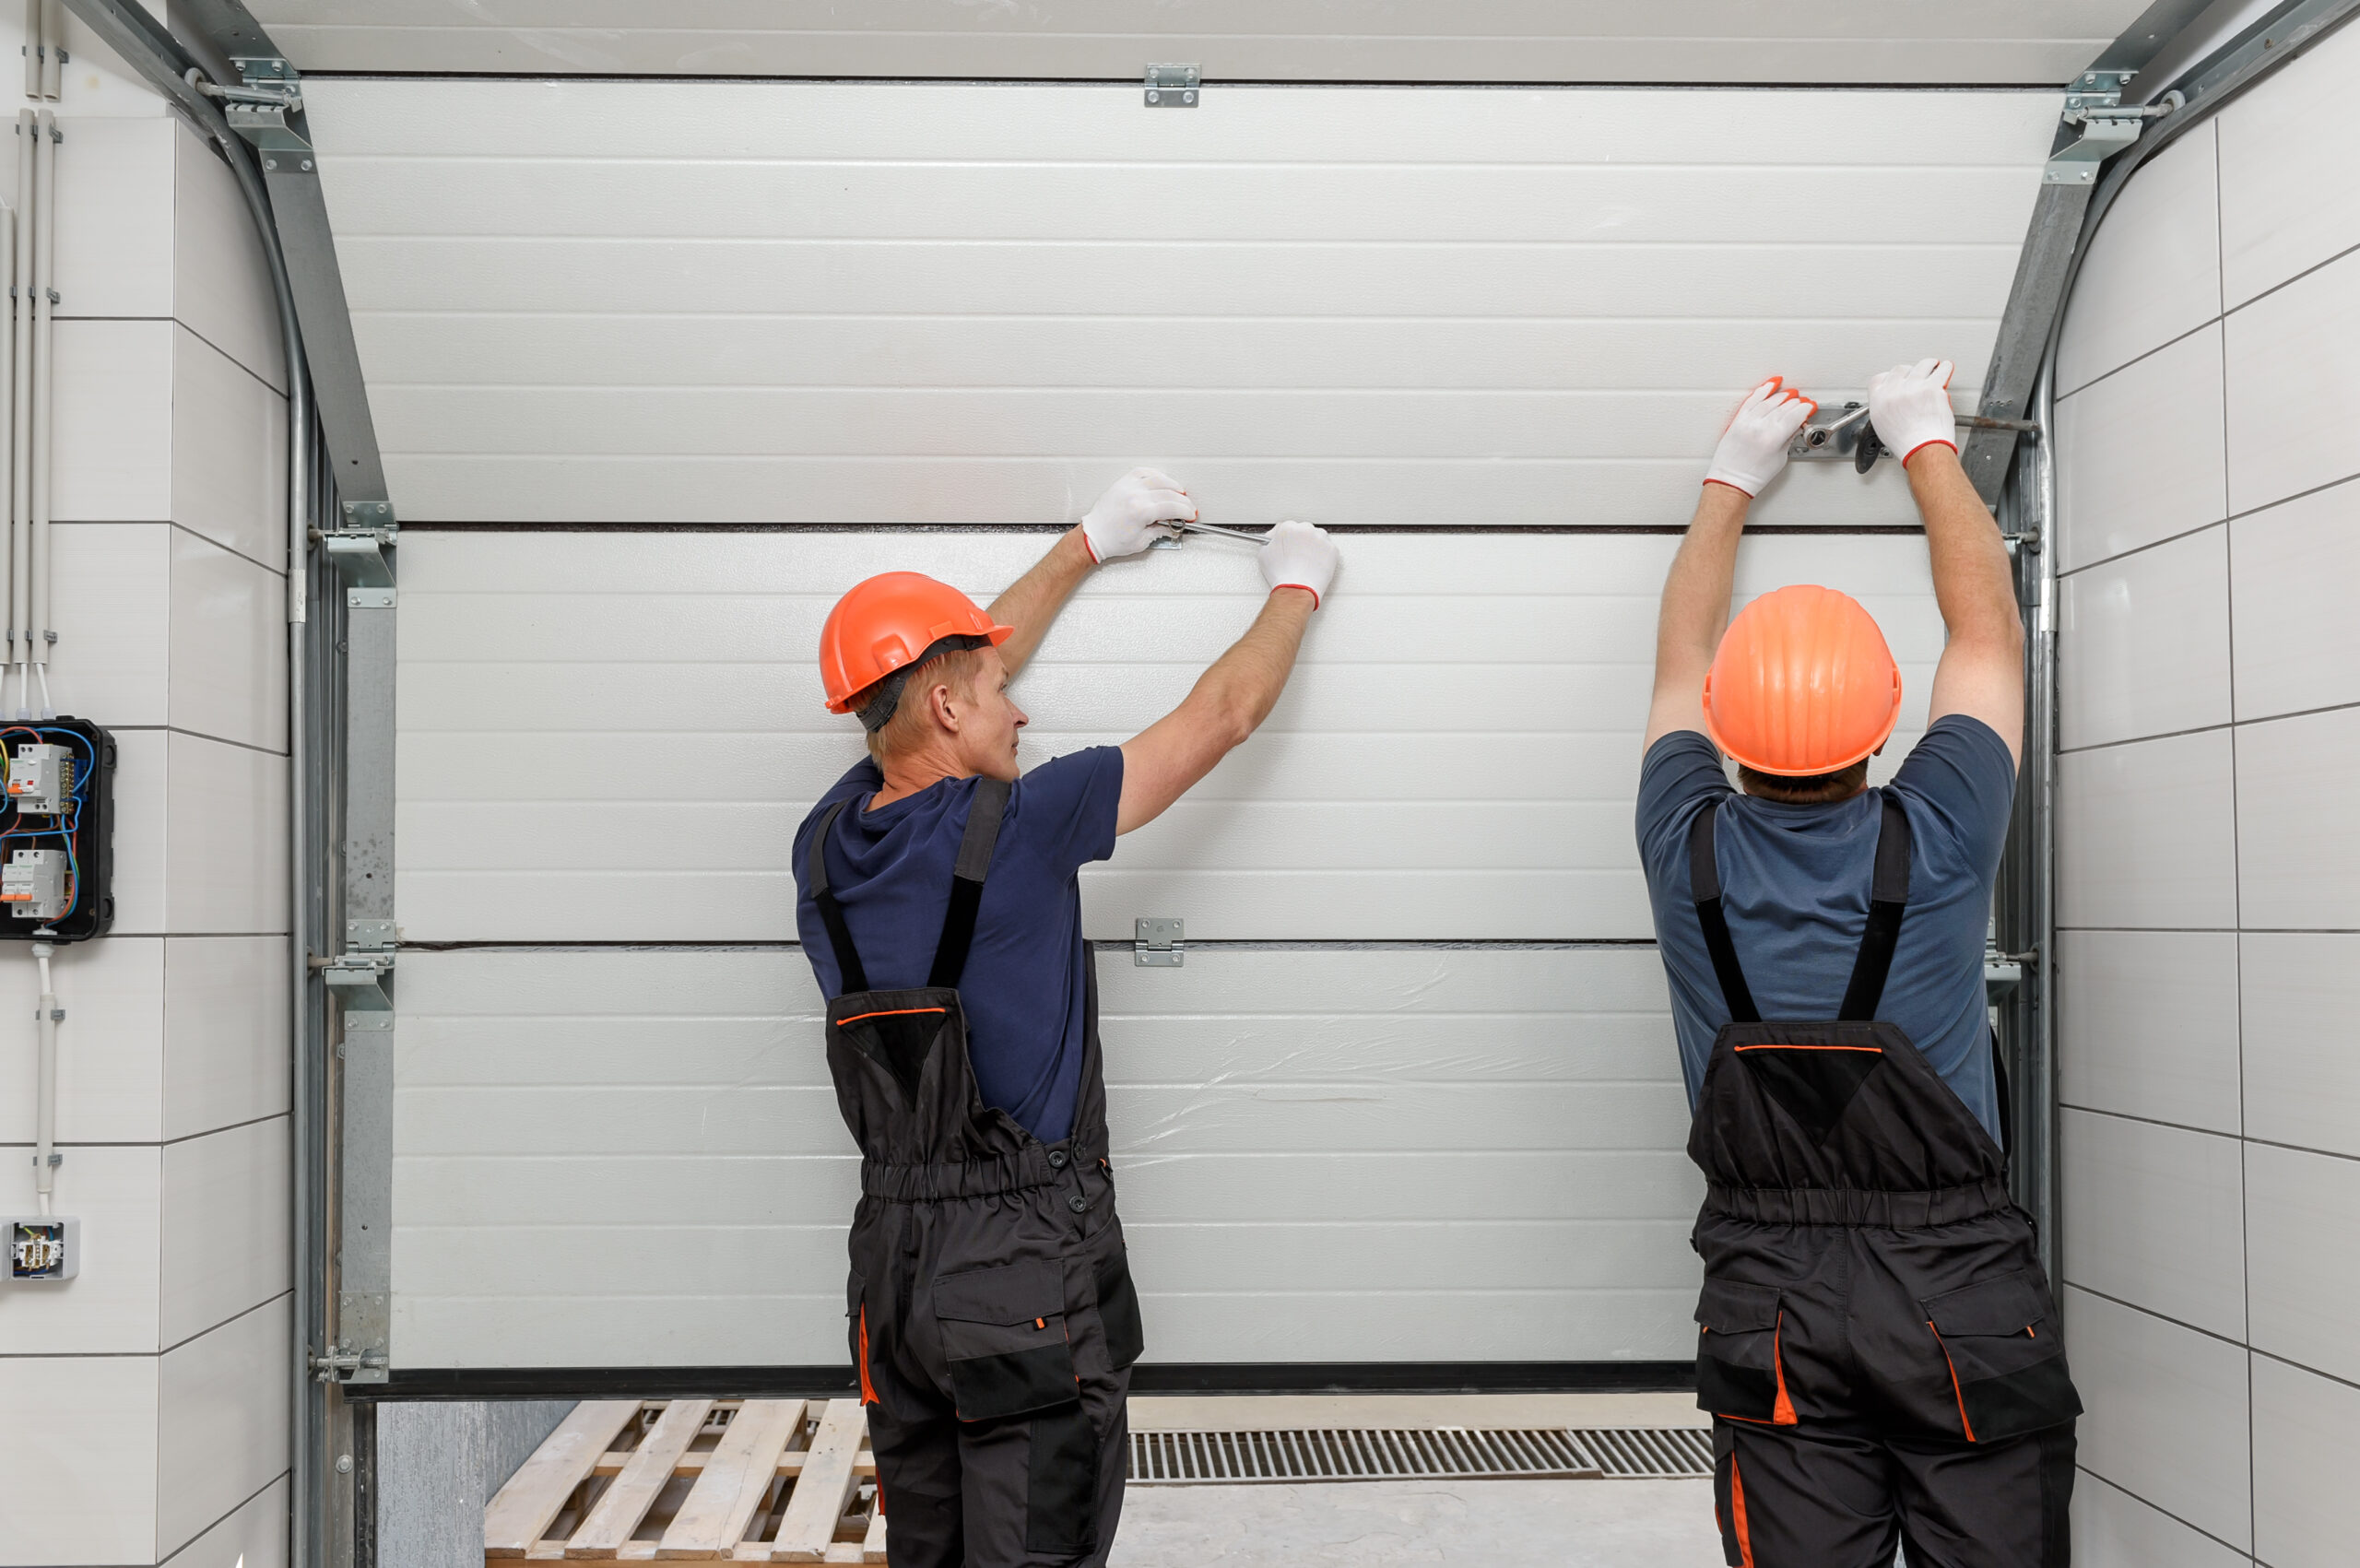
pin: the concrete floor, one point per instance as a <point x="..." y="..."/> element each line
<point x="1600" y="1523"/>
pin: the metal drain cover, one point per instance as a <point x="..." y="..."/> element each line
<point x="1349" y="1453"/>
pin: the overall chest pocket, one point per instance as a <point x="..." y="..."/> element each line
<point x="1739" y="1372"/>
<point x="2005" y="1357"/>
<point x="1004" y="1335"/>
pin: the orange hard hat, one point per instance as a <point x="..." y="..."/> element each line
<point x="1802" y="684"/>
<point x="896" y="621"/>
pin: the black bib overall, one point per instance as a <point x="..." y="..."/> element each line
<point x="991" y="1316"/>
<point x="1875" y="1336"/>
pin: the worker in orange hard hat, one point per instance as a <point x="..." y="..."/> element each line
<point x="1875" y="1337"/>
<point x="990" y="1310"/>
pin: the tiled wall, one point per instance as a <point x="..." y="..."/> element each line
<point x="147" y="1400"/>
<point x="2208" y="851"/>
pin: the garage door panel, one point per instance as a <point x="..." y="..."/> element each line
<point x="1515" y="1114"/>
<point x="1004" y="123"/>
<point x="1473" y="1325"/>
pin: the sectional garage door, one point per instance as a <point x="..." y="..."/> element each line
<point x="660" y="369"/>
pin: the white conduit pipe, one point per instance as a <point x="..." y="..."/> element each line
<point x="20" y="369"/>
<point x="53" y="50"/>
<point x="45" y="1156"/>
<point x="36" y="48"/>
<point x="8" y="447"/>
<point x="38" y="635"/>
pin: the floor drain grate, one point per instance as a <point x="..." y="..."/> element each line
<point x="1647" y="1452"/>
<point x="1344" y="1454"/>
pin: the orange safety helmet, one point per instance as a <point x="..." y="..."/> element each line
<point x="1802" y="684"/>
<point x="896" y="621"/>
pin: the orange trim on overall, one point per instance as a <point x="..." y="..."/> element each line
<point x="1871" y="1049"/>
<point x="867" y="1393"/>
<point x="1782" y="1412"/>
<point x="889" y="1012"/>
<point x="1737" y="1513"/>
<point x="1960" y="1394"/>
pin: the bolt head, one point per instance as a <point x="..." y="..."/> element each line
<point x="1187" y="98"/>
<point x="270" y="163"/>
<point x="344" y="1464"/>
<point x="307" y="166"/>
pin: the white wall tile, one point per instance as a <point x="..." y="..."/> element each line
<point x="110" y="1308"/>
<point x="221" y="1422"/>
<point x="2153" y="270"/>
<point x="2286" y="160"/>
<point x="2290" y="361"/>
<point x="225" y="1207"/>
<point x="2114" y="1529"/>
<point x="114" y="215"/>
<point x="229" y="645"/>
<point x="226" y="1047"/>
<point x="222" y="287"/>
<point x="2145" y="836"/>
<point x="112" y="439"/>
<point x="2141" y="457"/>
<point x="2306" y="1443"/>
<point x="2147" y="1025"/>
<point x="254" y="1537"/>
<point x="110" y="609"/>
<point x="2298" y="847"/>
<point x="2297" y="642"/>
<point x="139" y="807"/>
<point x="226" y="855"/>
<point x="2142" y="644"/>
<point x="2301" y="1004"/>
<point x="2154" y="1216"/>
<point x="2304" y="1219"/>
<point x="91" y="1459"/>
<point x="109" y="1047"/>
<point x="2164" y="1411"/>
<point x="228" y="477"/>
<point x="96" y="81"/>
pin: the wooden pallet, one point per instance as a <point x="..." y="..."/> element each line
<point x="695" y="1481"/>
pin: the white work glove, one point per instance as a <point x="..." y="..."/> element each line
<point x="1132" y="513"/>
<point x="1754" y="448"/>
<point x="1910" y="406"/>
<point x="1297" y="555"/>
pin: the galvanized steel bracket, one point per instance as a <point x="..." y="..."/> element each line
<point x="358" y="551"/>
<point x="1158" y="942"/>
<point x="1171" y="86"/>
<point x="2094" y="103"/>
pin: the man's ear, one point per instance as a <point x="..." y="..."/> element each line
<point x="939" y="707"/>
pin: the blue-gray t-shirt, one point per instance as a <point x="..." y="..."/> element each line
<point x="1026" y="985"/>
<point x="1795" y="889"/>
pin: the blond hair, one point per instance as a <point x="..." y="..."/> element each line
<point x="956" y="668"/>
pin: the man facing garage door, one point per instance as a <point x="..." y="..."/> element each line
<point x="1876" y="1338"/>
<point x="992" y="1315"/>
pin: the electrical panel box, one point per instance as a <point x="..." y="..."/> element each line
<point x="41" y="778"/>
<point x="33" y="884"/>
<point x="56" y="830"/>
<point x="43" y="1250"/>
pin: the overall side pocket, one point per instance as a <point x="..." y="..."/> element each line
<point x="2005" y="1357"/>
<point x="1118" y="1310"/>
<point x="1003" y="1335"/>
<point x="1738" y="1373"/>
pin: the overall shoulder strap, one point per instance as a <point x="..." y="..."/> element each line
<point x="1705" y="886"/>
<point x="1888" y="899"/>
<point x="967" y="880"/>
<point x="831" y="913"/>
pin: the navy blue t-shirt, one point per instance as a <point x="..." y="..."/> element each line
<point x="1795" y="888"/>
<point x="1028" y="972"/>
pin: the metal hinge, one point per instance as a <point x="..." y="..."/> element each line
<point x="357" y="549"/>
<point x="2095" y="103"/>
<point x="1157" y="942"/>
<point x="1171" y="86"/>
<point x="358" y="975"/>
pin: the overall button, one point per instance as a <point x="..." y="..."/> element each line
<point x="1077" y="1203"/>
<point x="1056" y="1159"/>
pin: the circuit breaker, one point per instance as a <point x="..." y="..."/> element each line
<point x="57" y="818"/>
<point x="43" y="1250"/>
<point x="33" y="884"/>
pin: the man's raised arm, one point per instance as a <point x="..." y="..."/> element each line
<point x="1231" y="700"/>
<point x="1129" y="517"/>
<point x="1982" y="670"/>
<point x="1696" y="591"/>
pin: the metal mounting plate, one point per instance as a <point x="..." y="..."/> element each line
<point x="1171" y="86"/>
<point x="1157" y="942"/>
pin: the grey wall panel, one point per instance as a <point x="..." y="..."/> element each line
<point x="1592" y="40"/>
<point x="630" y="1156"/>
<point x="871" y="303"/>
<point x="1457" y="759"/>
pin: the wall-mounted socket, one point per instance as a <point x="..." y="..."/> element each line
<point x="45" y="1249"/>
